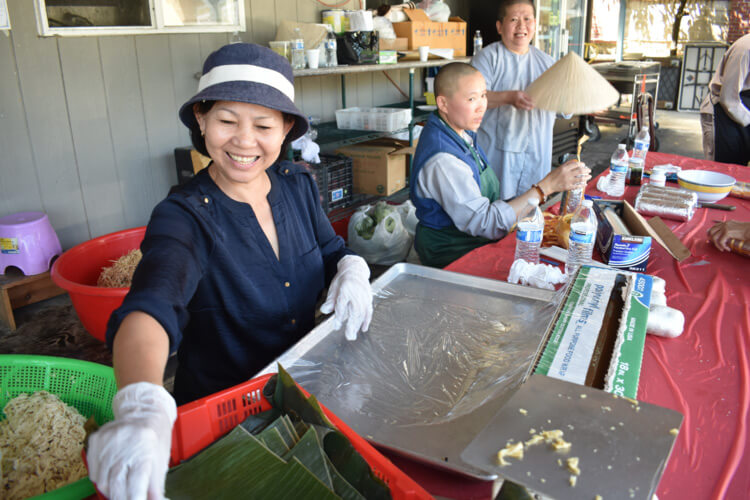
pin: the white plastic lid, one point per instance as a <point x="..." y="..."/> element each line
<point x="532" y="200"/>
<point x="621" y="146"/>
<point x="588" y="203"/>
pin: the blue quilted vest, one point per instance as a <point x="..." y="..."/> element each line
<point x="437" y="138"/>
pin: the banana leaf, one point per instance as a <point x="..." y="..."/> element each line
<point x="310" y="453"/>
<point x="281" y="427"/>
<point x="271" y="437"/>
<point x="239" y="462"/>
<point x="283" y="393"/>
<point x="340" y="485"/>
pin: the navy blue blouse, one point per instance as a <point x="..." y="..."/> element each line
<point x="210" y="277"/>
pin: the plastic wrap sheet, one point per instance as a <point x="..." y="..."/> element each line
<point x="435" y="351"/>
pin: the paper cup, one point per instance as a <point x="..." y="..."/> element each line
<point x="424" y="52"/>
<point x="313" y="58"/>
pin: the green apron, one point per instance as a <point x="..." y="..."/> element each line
<point x="440" y="247"/>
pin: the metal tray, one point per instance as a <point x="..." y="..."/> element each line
<point x="444" y="352"/>
<point x="622" y="445"/>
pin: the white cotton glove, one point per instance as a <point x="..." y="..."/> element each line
<point x="350" y="296"/>
<point x="129" y="457"/>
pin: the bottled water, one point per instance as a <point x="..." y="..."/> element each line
<point x="298" y="50"/>
<point x="573" y="200"/>
<point x="618" y="168"/>
<point x="529" y="232"/>
<point x="582" y="236"/>
<point x="331" y="56"/>
<point x="477" y="42"/>
<point x="642" y="142"/>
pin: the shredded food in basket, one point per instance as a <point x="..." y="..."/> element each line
<point x="120" y="273"/>
<point x="40" y="445"/>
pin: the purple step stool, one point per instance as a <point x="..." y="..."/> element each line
<point x="28" y="242"/>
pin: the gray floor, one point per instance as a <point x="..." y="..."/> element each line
<point x="678" y="133"/>
<point x="51" y="327"/>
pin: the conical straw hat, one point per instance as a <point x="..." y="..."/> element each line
<point x="571" y="86"/>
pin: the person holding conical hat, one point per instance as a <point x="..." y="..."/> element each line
<point x="233" y="265"/>
<point x="516" y="136"/>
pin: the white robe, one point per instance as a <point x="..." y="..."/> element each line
<point x="518" y="143"/>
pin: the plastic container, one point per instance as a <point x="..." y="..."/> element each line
<point x="334" y="178"/>
<point x="642" y="143"/>
<point x="618" y="169"/>
<point x="529" y="232"/>
<point x="658" y="178"/>
<point x="89" y="387"/>
<point x="582" y="235"/>
<point x="202" y="422"/>
<point x="379" y="119"/>
<point x="634" y="176"/>
<point x="77" y="270"/>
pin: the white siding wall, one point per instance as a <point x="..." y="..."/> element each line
<point x="88" y="125"/>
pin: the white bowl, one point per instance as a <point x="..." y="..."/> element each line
<point x="709" y="186"/>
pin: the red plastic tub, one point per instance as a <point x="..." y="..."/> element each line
<point x="77" y="270"/>
<point x="202" y="422"/>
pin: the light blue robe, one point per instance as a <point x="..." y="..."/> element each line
<point x="518" y="143"/>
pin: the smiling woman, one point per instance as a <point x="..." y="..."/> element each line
<point x="232" y="268"/>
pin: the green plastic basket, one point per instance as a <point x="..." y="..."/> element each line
<point x="89" y="387"/>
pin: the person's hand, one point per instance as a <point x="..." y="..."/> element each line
<point x="129" y="457"/>
<point x="521" y="100"/>
<point x="721" y="233"/>
<point x="570" y="175"/>
<point x="350" y="296"/>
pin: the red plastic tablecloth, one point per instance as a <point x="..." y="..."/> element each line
<point x="704" y="374"/>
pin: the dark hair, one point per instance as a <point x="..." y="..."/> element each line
<point x="199" y="142"/>
<point x="504" y="4"/>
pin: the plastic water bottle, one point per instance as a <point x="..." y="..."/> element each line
<point x="642" y="142"/>
<point x="582" y="237"/>
<point x="572" y="200"/>
<point x="298" y="50"/>
<point x="529" y="232"/>
<point x="331" y="53"/>
<point x="618" y="168"/>
<point x="478" y="43"/>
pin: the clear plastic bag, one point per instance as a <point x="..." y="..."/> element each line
<point x="437" y="10"/>
<point x="384" y="27"/>
<point x="378" y="234"/>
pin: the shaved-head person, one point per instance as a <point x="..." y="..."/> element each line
<point x="455" y="192"/>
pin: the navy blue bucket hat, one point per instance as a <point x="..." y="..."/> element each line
<point x="245" y="72"/>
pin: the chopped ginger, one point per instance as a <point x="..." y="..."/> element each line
<point x="534" y="440"/>
<point x="522" y="411"/>
<point x="572" y="464"/>
<point x="674" y="432"/>
<point x="560" y="444"/>
<point x="573" y="480"/>
<point x="512" y="450"/>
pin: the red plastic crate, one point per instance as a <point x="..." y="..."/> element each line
<point x="202" y="422"/>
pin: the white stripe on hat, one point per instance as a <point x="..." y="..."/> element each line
<point x="247" y="73"/>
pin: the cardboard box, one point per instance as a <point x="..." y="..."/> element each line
<point x="387" y="57"/>
<point x="599" y="336"/>
<point x="394" y="44"/>
<point x="420" y="31"/>
<point x="631" y="252"/>
<point x="379" y="166"/>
